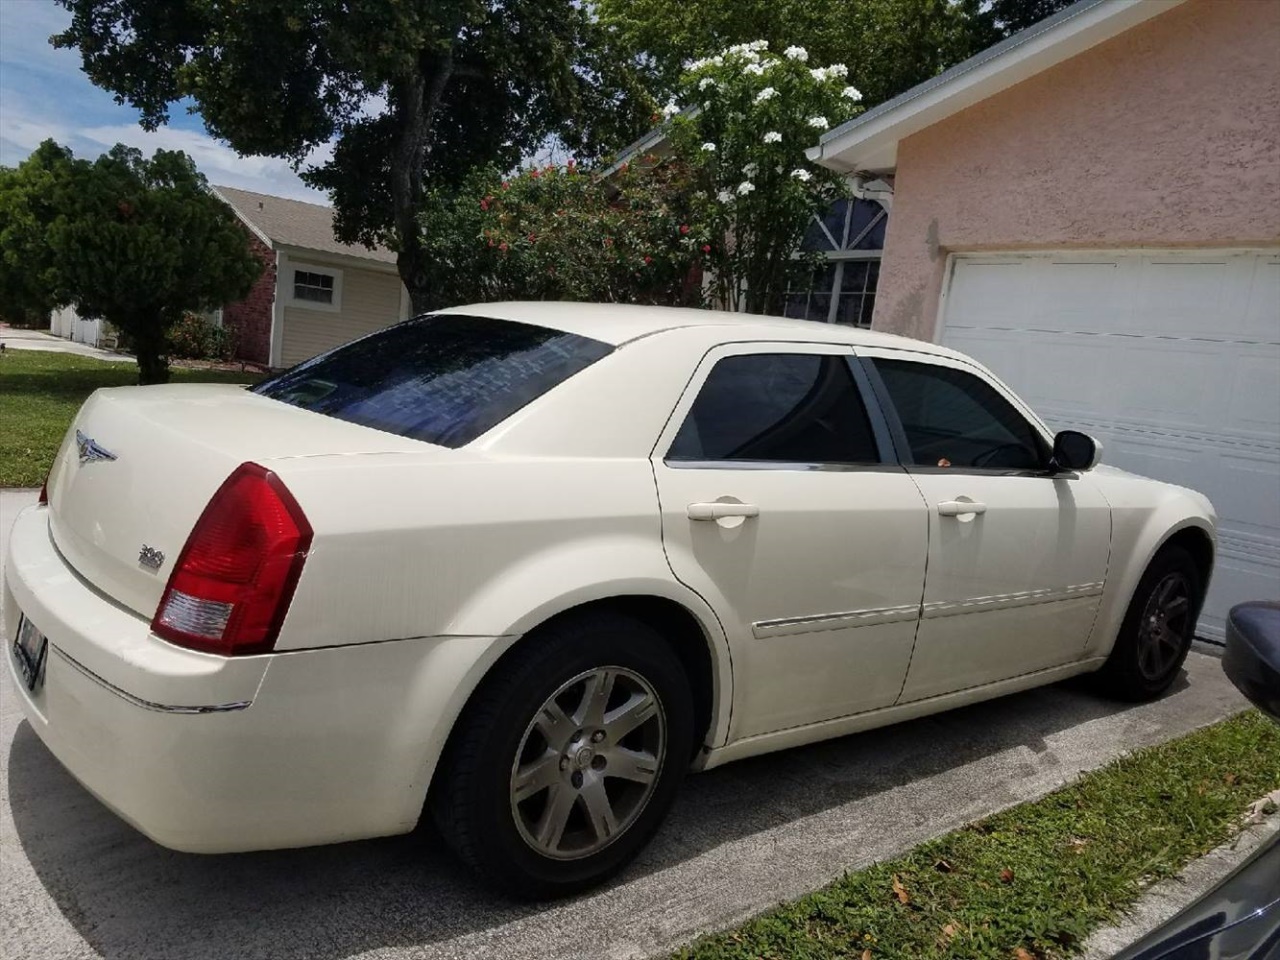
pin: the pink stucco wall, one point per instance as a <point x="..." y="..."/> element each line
<point x="1167" y="135"/>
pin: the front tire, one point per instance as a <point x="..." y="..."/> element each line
<point x="1157" y="630"/>
<point x="567" y="759"/>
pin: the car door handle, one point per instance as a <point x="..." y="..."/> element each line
<point x="718" y="511"/>
<point x="960" y="508"/>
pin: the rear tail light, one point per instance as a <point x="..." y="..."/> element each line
<point x="233" y="582"/>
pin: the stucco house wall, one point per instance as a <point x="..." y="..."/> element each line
<point x="1165" y="136"/>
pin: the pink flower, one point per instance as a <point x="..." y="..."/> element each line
<point x="648" y="260"/>
<point x="506" y="185"/>
<point x="684" y="229"/>
<point x="503" y="246"/>
<point x="534" y="174"/>
<point x="706" y="248"/>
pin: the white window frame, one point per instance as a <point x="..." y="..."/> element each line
<point x="839" y="256"/>
<point x="335" y="272"/>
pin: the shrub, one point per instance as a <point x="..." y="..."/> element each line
<point x="196" y="338"/>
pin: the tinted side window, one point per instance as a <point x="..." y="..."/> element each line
<point x="956" y="419"/>
<point x="443" y="379"/>
<point x="788" y="407"/>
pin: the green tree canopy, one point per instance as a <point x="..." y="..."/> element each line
<point x="134" y="241"/>
<point x="413" y="94"/>
<point x="889" y="45"/>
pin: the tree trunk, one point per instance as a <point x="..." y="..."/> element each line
<point x="152" y="353"/>
<point x="417" y="98"/>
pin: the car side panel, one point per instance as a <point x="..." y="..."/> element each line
<point x="1145" y="514"/>
<point x="479" y="549"/>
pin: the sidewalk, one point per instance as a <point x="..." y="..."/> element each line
<point x="16" y="339"/>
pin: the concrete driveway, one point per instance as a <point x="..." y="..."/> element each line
<point x="77" y="882"/>
<point x="14" y="339"/>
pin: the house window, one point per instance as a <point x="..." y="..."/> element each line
<point x="313" y="287"/>
<point x="850" y="237"/>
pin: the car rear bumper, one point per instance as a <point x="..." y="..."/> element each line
<point x="209" y="754"/>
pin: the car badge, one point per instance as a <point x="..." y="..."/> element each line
<point x="90" y="451"/>
<point x="150" y="557"/>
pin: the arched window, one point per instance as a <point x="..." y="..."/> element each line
<point x="843" y="289"/>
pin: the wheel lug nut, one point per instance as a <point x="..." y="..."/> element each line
<point x="577" y="779"/>
<point x="598" y="763"/>
<point x="597" y="736"/>
<point x="564" y="763"/>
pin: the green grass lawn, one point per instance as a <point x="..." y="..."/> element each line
<point x="1033" y="881"/>
<point x="40" y="392"/>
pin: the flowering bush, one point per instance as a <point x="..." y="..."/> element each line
<point x="197" y="338"/>
<point x="748" y="117"/>
<point x="562" y="233"/>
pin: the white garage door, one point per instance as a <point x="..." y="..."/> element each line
<point x="1171" y="360"/>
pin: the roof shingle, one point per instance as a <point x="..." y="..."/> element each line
<point x="293" y="223"/>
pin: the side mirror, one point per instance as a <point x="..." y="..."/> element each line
<point x="1073" y="450"/>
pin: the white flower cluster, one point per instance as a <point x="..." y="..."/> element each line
<point x="851" y="93"/>
<point x="695" y="65"/>
<point x="708" y="147"/>
<point x="796" y="53"/>
<point x="745" y="187"/>
<point x="706" y="82"/>
<point x="755" y="46"/>
<point x="725" y="196"/>
<point x="818" y="123"/>
<point x="773" y="136"/>
<point x="768" y="93"/>
<point x="829" y="73"/>
<point x="750" y="170"/>
<point x="670" y="110"/>
<point x="754" y="69"/>
<point x="804" y="176"/>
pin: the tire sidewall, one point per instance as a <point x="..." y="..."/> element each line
<point x="1128" y="678"/>
<point x="572" y="650"/>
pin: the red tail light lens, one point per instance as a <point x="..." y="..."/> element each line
<point x="233" y="582"/>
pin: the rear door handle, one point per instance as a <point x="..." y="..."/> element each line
<point x="960" y="508"/>
<point x="718" y="511"/>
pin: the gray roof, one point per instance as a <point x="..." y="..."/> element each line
<point x="963" y="67"/>
<point x="293" y="223"/>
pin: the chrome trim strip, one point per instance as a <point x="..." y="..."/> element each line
<point x="789" y="626"/>
<point x="780" y="465"/>
<point x="1010" y="601"/>
<point x="147" y="704"/>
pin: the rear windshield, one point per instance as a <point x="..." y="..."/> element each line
<point x="444" y="379"/>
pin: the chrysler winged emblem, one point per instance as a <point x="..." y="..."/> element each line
<point x="90" y="451"/>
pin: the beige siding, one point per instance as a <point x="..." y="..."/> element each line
<point x="370" y="301"/>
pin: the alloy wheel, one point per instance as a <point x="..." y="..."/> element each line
<point x="587" y="763"/>
<point x="1165" y="625"/>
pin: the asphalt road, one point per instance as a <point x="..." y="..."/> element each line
<point x="77" y="882"/>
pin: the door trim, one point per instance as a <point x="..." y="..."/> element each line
<point x="871" y="616"/>
<point x="1008" y="601"/>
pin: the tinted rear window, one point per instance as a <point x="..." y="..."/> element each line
<point x="444" y="379"/>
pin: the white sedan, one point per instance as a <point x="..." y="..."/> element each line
<point x="521" y="566"/>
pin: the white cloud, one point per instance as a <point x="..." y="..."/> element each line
<point x="44" y="94"/>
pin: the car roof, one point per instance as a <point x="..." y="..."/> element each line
<point x="617" y="324"/>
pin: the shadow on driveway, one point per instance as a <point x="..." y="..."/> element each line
<point x="130" y="898"/>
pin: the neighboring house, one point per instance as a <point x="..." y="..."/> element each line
<point x="1092" y="209"/>
<point x="315" y="292"/>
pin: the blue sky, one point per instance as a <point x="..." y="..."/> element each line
<point x="44" y="94"/>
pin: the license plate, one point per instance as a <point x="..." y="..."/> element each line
<point x="30" y="647"/>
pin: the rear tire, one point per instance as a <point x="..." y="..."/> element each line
<point x="1157" y="629"/>
<point x="567" y="758"/>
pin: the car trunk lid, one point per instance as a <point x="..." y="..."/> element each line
<point x="139" y="465"/>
